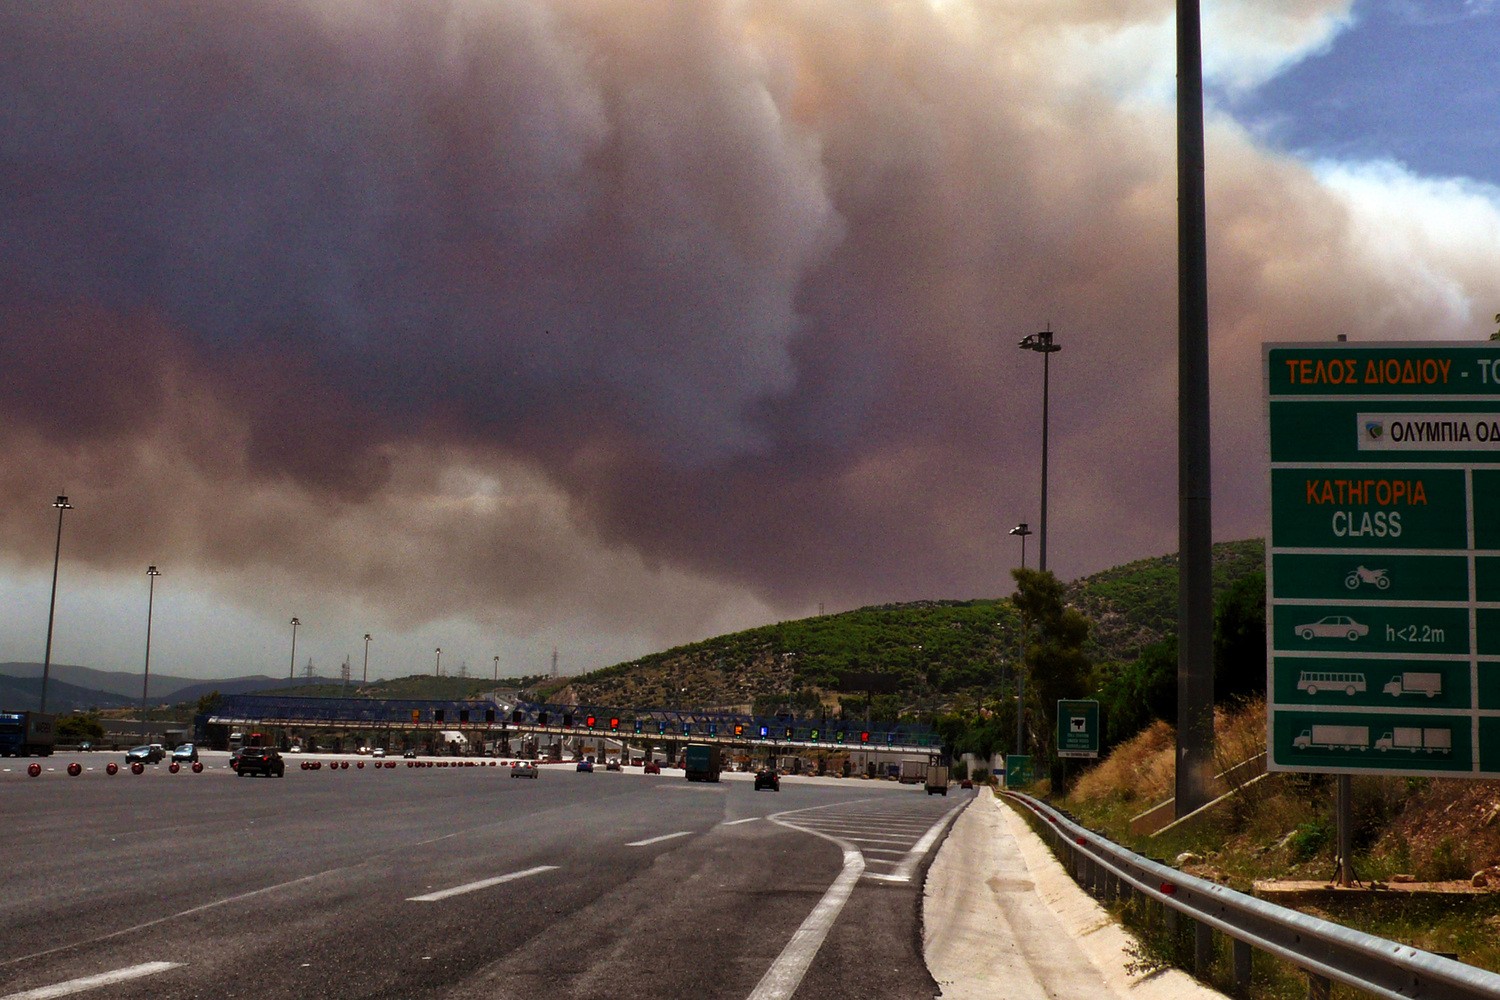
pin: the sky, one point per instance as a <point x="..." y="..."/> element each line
<point x="609" y="325"/>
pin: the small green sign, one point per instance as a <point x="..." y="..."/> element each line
<point x="1077" y="728"/>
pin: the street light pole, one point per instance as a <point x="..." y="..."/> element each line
<point x="366" y="676"/>
<point x="291" y="671"/>
<point x="61" y="503"/>
<point x="1043" y="345"/>
<point x="439" y="652"/>
<point x="497" y="670"/>
<point x="151" y="575"/>
<point x="1022" y="530"/>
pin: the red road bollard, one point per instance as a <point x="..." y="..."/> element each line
<point x="359" y="764"/>
<point x="197" y="767"/>
<point x="75" y="769"/>
<point x="303" y="764"/>
<point x="34" y="770"/>
<point x="111" y="768"/>
<point x="343" y="765"/>
<point x="136" y="767"/>
<point x="390" y="764"/>
<point x="174" y="767"/>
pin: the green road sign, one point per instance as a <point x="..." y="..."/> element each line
<point x="1384" y="551"/>
<point x="1017" y="770"/>
<point x="1078" y="728"/>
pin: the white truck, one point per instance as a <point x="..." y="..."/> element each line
<point x="1327" y="737"/>
<point x="913" y="771"/>
<point x="1415" y="682"/>
<point x="1432" y="740"/>
<point x="937" y="779"/>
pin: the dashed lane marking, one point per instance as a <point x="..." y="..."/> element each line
<point x="657" y="840"/>
<point x="92" y="982"/>
<point x="458" y="890"/>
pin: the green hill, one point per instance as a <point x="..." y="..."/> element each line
<point x="905" y="658"/>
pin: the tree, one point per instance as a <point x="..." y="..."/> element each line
<point x="1240" y="639"/>
<point x="1055" y="662"/>
<point x="76" y="728"/>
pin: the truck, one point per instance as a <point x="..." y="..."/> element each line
<point x="1327" y="737"/>
<point x="1415" y="682"/>
<point x="25" y="733"/>
<point x="702" y="762"/>
<point x="937" y="778"/>
<point x="1433" y="740"/>
<point x="913" y="771"/>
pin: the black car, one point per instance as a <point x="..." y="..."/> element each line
<point x="767" y="779"/>
<point x="151" y="754"/>
<point x="185" y="754"/>
<point x="410" y="755"/>
<point x="260" y="760"/>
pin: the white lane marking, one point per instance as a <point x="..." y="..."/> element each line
<point x="904" y="870"/>
<point x="458" y="890"/>
<point x="657" y="840"/>
<point x="785" y="974"/>
<point x="737" y="822"/>
<point x="92" y="982"/>
<point x="434" y="840"/>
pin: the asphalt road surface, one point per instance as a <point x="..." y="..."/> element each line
<point x="459" y="882"/>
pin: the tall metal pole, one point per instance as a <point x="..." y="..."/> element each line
<point x="497" y="670"/>
<point x="291" y="671"/>
<point x="365" y="677"/>
<point x="61" y="503"/>
<point x="439" y="668"/>
<point x="1195" y="678"/>
<point x="151" y="575"/>
<point x="1022" y="530"/>
<point x="1043" y="345"/>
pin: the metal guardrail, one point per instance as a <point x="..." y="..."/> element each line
<point x="1324" y="950"/>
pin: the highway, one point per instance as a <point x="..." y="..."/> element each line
<point x="459" y="882"/>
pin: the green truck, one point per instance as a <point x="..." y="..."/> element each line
<point x="702" y="762"/>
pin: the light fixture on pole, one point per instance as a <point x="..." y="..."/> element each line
<point x="439" y="652"/>
<point x="1043" y="345"/>
<point x="1022" y="529"/>
<point x="151" y="575"/>
<point x="61" y="503"/>
<point x="497" y="670"/>
<point x="292" y="670"/>
<point x="366" y="676"/>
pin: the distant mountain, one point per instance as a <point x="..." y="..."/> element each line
<point x="102" y="685"/>
<point x="20" y="694"/>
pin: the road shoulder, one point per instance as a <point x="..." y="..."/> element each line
<point x="1001" y="917"/>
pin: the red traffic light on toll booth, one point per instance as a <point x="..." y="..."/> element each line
<point x="614" y="724"/>
<point x="590" y="721"/>
<point x="864" y="737"/>
<point x="739" y="730"/>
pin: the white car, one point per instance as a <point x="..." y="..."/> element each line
<point x="1333" y="627"/>
<point x="378" y="752"/>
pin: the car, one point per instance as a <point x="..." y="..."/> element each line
<point x="651" y="767"/>
<point x="294" y="748"/>
<point x="966" y="783"/>
<point x="378" y="752"/>
<point x="586" y="766"/>
<point x="1333" y="627"/>
<point x="187" y="753"/>
<point x="612" y="765"/>
<point x="524" y="769"/>
<point x="151" y="754"/>
<point x="767" y="778"/>
<point x="86" y="746"/>
<point x="410" y="755"/>
<point x="261" y="760"/>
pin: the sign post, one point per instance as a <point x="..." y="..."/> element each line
<point x="1383" y="564"/>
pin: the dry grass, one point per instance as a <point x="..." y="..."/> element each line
<point x="1141" y="770"/>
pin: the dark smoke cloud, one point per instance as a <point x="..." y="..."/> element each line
<point x="616" y="310"/>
